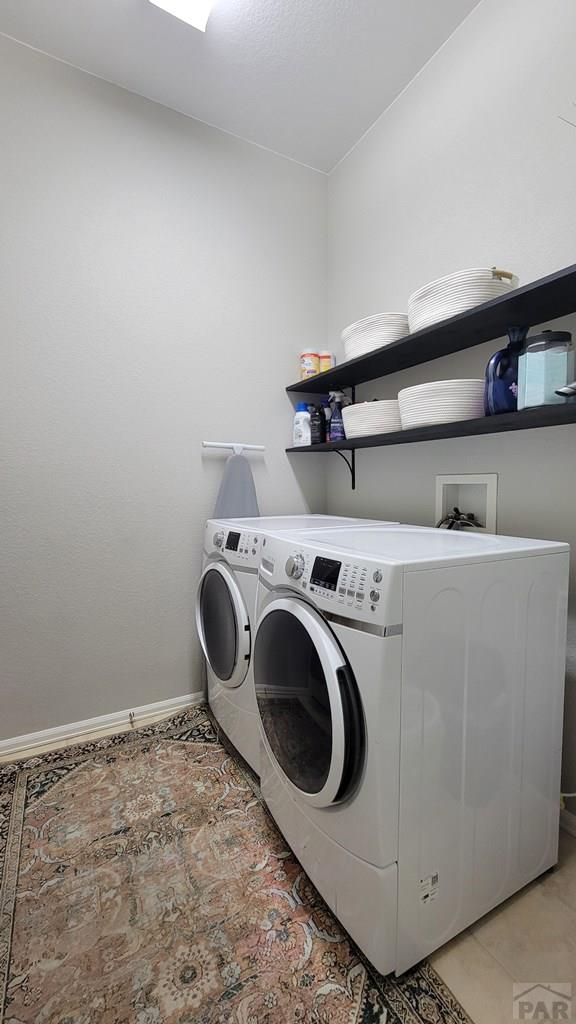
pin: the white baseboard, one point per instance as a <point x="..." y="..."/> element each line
<point x="568" y="822"/>
<point x="63" y="735"/>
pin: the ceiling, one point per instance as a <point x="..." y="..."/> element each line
<point x="305" y="78"/>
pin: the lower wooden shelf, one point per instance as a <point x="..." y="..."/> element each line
<point x="527" y="419"/>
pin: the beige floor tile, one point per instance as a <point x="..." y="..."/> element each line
<point x="36" y="752"/>
<point x="481" y="985"/>
<point x="533" y="936"/>
<point x="561" y="882"/>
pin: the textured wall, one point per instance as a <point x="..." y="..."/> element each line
<point x="470" y="167"/>
<point x="304" y="79"/>
<point x="157" y="279"/>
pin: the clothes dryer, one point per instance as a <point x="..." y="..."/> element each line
<point x="409" y="683"/>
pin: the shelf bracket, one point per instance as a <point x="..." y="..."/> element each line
<point x="351" y="465"/>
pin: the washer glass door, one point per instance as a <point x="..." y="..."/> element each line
<point x="223" y="624"/>
<point x="308" y="702"/>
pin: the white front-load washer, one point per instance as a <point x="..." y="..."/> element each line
<point x="225" y="605"/>
<point x="409" y="684"/>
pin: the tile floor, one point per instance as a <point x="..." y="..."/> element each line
<point x="530" y="938"/>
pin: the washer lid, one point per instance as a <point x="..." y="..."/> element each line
<point x="421" y="547"/>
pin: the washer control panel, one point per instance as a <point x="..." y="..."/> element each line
<point x="340" y="583"/>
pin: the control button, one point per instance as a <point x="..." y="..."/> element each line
<point x="360" y="595"/>
<point x="377" y="577"/>
<point x="255" y="540"/>
<point x="295" y="566"/>
<point x="253" y="551"/>
<point x="351" y="593"/>
<point x="342" y="590"/>
<point x="374" y="596"/>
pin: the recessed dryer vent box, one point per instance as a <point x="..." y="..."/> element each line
<point x="470" y="493"/>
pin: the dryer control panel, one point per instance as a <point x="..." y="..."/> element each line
<point x="238" y="546"/>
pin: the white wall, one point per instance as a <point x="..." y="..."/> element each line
<point x="157" y="279"/>
<point x="470" y="167"/>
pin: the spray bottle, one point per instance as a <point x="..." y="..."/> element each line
<point x="337" y="432"/>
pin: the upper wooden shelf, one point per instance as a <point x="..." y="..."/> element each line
<point x="535" y="303"/>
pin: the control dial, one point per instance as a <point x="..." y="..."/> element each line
<point x="218" y="539"/>
<point x="295" y="566"/>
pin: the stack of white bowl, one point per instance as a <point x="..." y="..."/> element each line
<point x="456" y="293"/>
<point x="373" y="332"/>
<point x="371" y="418"/>
<point x="442" y="401"/>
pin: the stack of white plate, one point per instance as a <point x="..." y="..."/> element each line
<point x="456" y="293"/>
<point x="373" y="332"/>
<point x="442" y="401"/>
<point x="371" y="418"/>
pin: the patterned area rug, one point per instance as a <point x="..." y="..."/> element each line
<point x="143" y="882"/>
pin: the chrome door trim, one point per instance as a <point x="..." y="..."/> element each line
<point x="243" y="640"/>
<point x="363" y="627"/>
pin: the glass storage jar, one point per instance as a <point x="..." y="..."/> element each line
<point x="546" y="362"/>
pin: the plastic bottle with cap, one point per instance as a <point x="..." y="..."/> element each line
<point x="317" y="425"/>
<point x="301" y="434"/>
<point x="327" y="360"/>
<point x="327" y="413"/>
<point x="309" y="363"/>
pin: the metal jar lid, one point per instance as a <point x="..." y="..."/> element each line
<point x="549" y="336"/>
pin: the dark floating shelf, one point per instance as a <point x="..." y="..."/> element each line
<point x="536" y="303"/>
<point x="544" y="416"/>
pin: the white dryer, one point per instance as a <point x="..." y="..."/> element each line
<point x="225" y="604"/>
<point x="410" y="688"/>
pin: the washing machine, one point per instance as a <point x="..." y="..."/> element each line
<point x="409" y="683"/>
<point x="225" y="606"/>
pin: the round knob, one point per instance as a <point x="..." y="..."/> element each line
<point x="374" y="596"/>
<point x="295" y="567"/>
<point x="218" y="539"/>
<point x="377" y="577"/>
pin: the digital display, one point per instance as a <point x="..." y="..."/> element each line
<point x="325" y="573"/>
<point x="232" y="541"/>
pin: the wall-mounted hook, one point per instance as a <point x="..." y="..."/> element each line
<point x="235" y="446"/>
